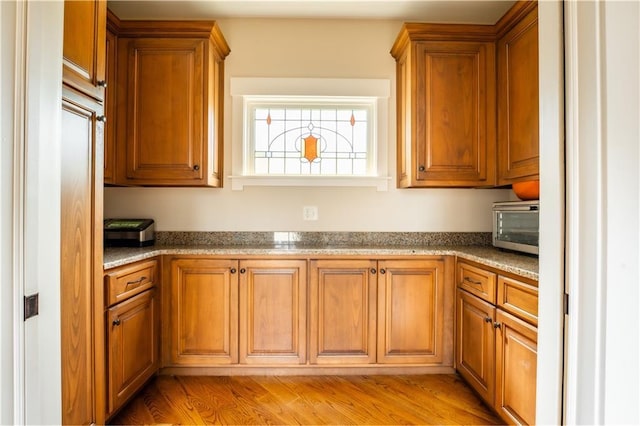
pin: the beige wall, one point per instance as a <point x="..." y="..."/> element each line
<point x="308" y="48"/>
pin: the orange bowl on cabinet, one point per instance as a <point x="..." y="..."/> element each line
<point x="527" y="190"/>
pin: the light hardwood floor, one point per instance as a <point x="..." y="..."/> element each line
<point x="290" y="400"/>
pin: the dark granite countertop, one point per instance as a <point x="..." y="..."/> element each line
<point x="523" y="265"/>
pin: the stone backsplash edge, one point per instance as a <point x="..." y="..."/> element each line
<point x="375" y="239"/>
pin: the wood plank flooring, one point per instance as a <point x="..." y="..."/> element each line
<point x="307" y="400"/>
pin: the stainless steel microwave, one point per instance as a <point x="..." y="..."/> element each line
<point x="516" y="225"/>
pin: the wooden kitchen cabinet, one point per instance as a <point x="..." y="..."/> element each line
<point x="414" y="312"/>
<point x="342" y="311"/>
<point x="445" y="105"/>
<point x="170" y="103"/>
<point x="81" y="288"/>
<point x="516" y="369"/>
<point x="518" y="121"/>
<point x="132" y="329"/>
<point x="83" y="66"/>
<point x="133" y="350"/>
<point x="110" y="101"/>
<point x="203" y="311"/>
<point x="273" y="306"/>
<point x="475" y="340"/>
<point x="503" y="373"/>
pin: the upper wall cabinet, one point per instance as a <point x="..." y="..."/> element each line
<point x="446" y="105"/>
<point x="169" y="103"/>
<point x="517" y="54"/>
<point x="113" y="26"/>
<point x="83" y="48"/>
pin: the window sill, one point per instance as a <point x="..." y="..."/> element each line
<point x="380" y="183"/>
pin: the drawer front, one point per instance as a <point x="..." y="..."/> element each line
<point x="127" y="281"/>
<point x="477" y="281"/>
<point x="518" y="298"/>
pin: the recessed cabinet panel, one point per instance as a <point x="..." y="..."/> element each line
<point x="410" y="311"/>
<point x="273" y="311"/>
<point x="204" y="311"/>
<point x="165" y="109"/>
<point x="454" y="127"/>
<point x="83" y="55"/>
<point x="518" y="104"/>
<point x="475" y="357"/>
<point x="342" y="306"/>
<point x="133" y="346"/>
<point x="516" y="360"/>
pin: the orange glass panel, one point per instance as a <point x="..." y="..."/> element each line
<point x="353" y="120"/>
<point x="310" y="148"/>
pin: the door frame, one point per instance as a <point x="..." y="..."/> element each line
<point x="31" y="40"/>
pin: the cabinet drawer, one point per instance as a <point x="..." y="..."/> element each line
<point x="477" y="281"/>
<point x="518" y="298"/>
<point x="122" y="283"/>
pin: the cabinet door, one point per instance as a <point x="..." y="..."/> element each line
<point x="475" y="343"/>
<point x="342" y="309"/>
<point x="204" y="312"/>
<point x="273" y="295"/>
<point x="110" y="108"/>
<point x="132" y="334"/>
<point x="81" y="279"/>
<point x="85" y="23"/>
<point x="163" y="82"/>
<point x="411" y="307"/>
<point x="455" y="114"/>
<point x="518" y="124"/>
<point x="516" y="368"/>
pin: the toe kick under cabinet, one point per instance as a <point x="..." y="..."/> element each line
<point x="132" y="324"/>
<point x="328" y="312"/>
<point x="496" y="338"/>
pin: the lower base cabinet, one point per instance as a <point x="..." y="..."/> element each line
<point x="516" y="369"/>
<point x="132" y="330"/>
<point x="496" y="351"/>
<point x="271" y="311"/>
<point x="133" y="346"/>
<point x="475" y="340"/>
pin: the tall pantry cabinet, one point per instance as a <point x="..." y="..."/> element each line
<point x="81" y="294"/>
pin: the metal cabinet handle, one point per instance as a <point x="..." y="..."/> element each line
<point x="138" y="281"/>
<point x="472" y="281"/>
<point x="101" y="118"/>
<point x="196" y="167"/>
<point x="373" y="270"/>
<point x="497" y="325"/>
<point x="101" y="83"/>
<point x="242" y="270"/>
<point x="233" y="270"/>
<point x="116" y="321"/>
<point x="422" y="168"/>
<point x="383" y="271"/>
<point x="488" y="319"/>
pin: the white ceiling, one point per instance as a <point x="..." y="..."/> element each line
<point x="459" y="11"/>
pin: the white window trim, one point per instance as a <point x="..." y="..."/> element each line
<point x="242" y="88"/>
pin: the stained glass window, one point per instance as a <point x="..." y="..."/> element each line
<point x="307" y="139"/>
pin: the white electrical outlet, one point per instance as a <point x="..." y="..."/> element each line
<point x="310" y="213"/>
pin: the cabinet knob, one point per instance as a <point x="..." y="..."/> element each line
<point x="497" y="325"/>
<point x="196" y="167"/>
<point x="242" y="270"/>
<point x="101" y="118"/>
<point x="383" y="271"/>
<point x="102" y="83"/>
<point x="422" y="168"/>
<point x="233" y="270"/>
<point x="116" y="321"/>
<point x="488" y="319"/>
<point x="373" y="270"/>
